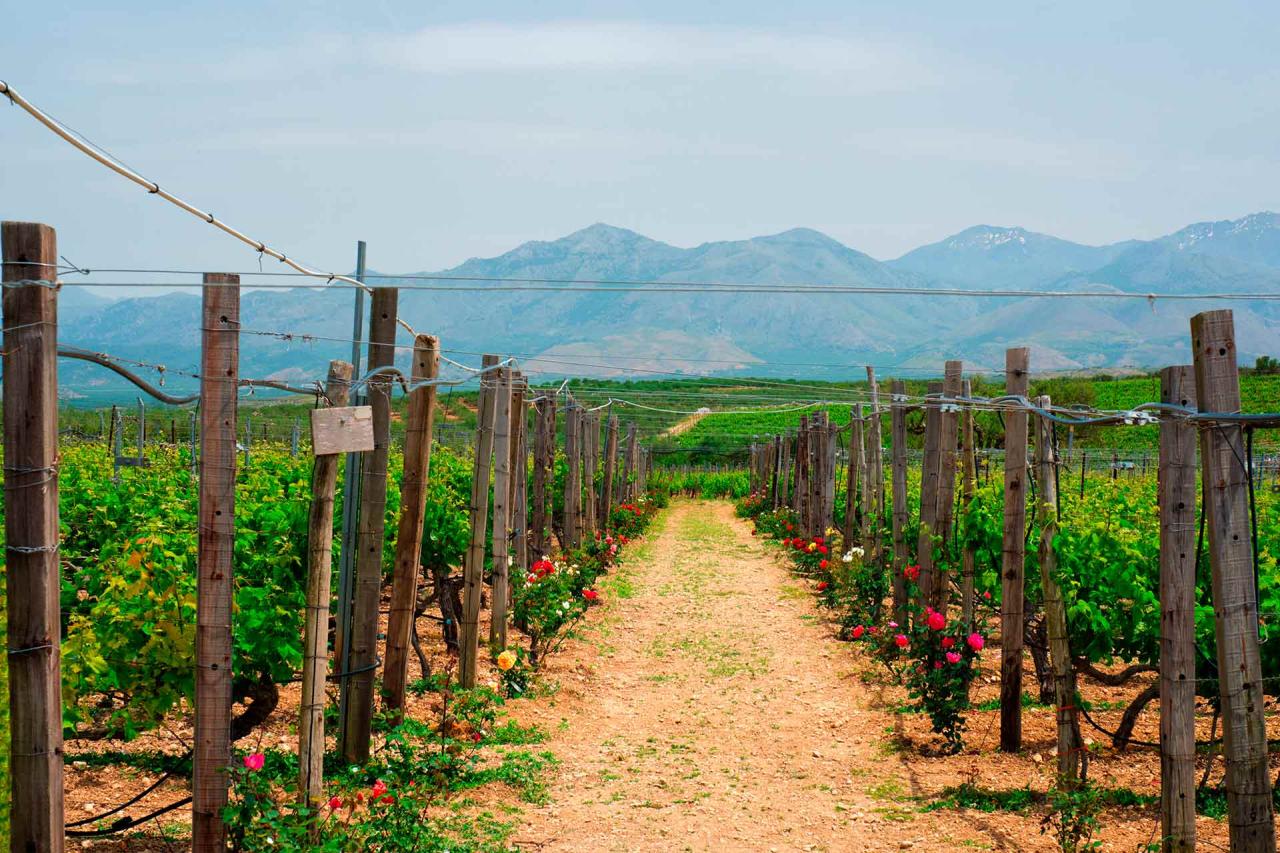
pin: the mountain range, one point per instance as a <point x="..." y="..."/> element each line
<point x="588" y="331"/>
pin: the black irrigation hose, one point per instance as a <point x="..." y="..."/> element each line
<point x="124" y="823"/>
<point x="127" y="822"/>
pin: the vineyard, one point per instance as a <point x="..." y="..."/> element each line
<point x="435" y="600"/>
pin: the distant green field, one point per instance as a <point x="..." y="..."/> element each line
<point x="742" y="410"/>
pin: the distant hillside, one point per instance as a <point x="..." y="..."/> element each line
<point x="594" y="333"/>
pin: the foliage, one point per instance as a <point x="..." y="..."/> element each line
<point x="387" y="804"/>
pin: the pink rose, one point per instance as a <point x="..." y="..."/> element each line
<point x="976" y="642"/>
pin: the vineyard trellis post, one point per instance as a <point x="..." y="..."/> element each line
<point x="519" y="473"/>
<point x="1013" y="551"/>
<point x="866" y="498"/>
<point x="590" y="469"/>
<point x="351" y="472"/>
<point x="544" y="450"/>
<point x="1231" y="559"/>
<point x="473" y="568"/>
<point x="876" y="470"/>
<point x="610" y="467"/>
<point x="418" y="430"/>
<point x="356" y="726"/>
<point x="775" y="470"/>
<point x="31" y="536"/>
<point x="828" y="474"/>
<point x="851" y="475"/>
<point x="898" y="462"/>
<point x="573" y="468"/>
<point x="219" y="380"/>
<point x="1177" y="504"/>
<point x="629" y="474"/>
<point x="968" y="487"/>
<point x="801" y="496"/>
<point x="324" y="479"/>
<point x="1070" y="744"/>
<point x="948" y="435"/>
<point x="500" y="577"/>
<point x="929" y="488"/>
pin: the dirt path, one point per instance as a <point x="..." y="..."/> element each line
<point x="713" y="710"/>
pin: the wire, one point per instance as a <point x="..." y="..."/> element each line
<point x="115" y="164"/>
<point x="733" y="288"/>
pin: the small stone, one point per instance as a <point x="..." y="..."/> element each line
<point x="80" y="765"/>
<point x="906" y="845"/>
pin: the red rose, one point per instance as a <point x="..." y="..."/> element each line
<point x="901" y="640"/>
<point x="858" y="631"/>
<point x="822" y="586"/>
<point x="379" y="788"/>
<point x="822" y="564"/>
<point x="948" y="642"/>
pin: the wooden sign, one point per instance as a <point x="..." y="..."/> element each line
<point x="347" y="429"/>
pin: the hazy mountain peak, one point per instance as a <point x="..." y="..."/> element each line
<point x="801" y="237"/>
<point x="987" y="237"/>
<point x="1253" y="239"/>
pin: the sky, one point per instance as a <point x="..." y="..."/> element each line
<point x="443" y="131"/>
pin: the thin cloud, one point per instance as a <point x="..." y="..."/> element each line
<point x="635" y="46"/>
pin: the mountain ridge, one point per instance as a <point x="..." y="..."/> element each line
<point x="576" y="330"/>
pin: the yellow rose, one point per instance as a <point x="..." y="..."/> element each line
<point x="506" y="660"/>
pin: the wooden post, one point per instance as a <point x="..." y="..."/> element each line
<point x="851" y="477"/>
<point x="219" y="377"/>
<point x="573" y="468"/>
<point x="929" y="488"/>
<point x="500" y="578"/>
<point x="875" y="470"/>
<point x="590" y="458"/>
<point x="864" y="475"/>
<point x="31" y="536"/>
<point x="629" y="464"/>
<point x="357" y="726"/>
<point x="1177" y="490"/>
<point x="519" y="474"/>
<point x="544" y="453"/>
<point x="473" y="569"/>
<point x="1222" y="455"/>
<point x="969" y="479"/>
<point x="315" y="632"/>
<point x="419" y="426"/>
<point x="802" y="476"/>
<point x="610" y="464"/>
<point x="1013" y="552"/>
<point x="828" y="489"/>
<point x="1055" y="611"/>
<point x="775" y="468"/>
<point x="948" y="435"/>
<point x="898" y="462"/>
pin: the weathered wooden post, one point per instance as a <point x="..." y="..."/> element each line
<point x="590" y="458"/>
<point x="219" y="379"/>
<point x="31" y="536"/>
<point x="315" y="632"/>
<point x="1055" y="611"/>
<point x="356" y="727"/>
<point x="948" y="435"/>
<point x="610" y="466"/>
<point x="573" y="468"/>
<point x="544" y="452"/>
<point x="898" y="462"/>
<point x="418" y="429"/>
<point x="519" y="474"/>
<point x="1177" y="491"/>
<point x="865" y="503"/>
<point x="1222" y="455"/>
<point x="1013" y="552"/>
<point x="875" y="470"/>
<point x="930" y="478"/>
<point x="969" y="479"/>
<point x="473" y="569"/>
<point x="500" y="578"/>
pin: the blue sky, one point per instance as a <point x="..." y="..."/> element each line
<point x="447" y="130"/>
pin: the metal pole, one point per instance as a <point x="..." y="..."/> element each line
<point x="350" y="507"/>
